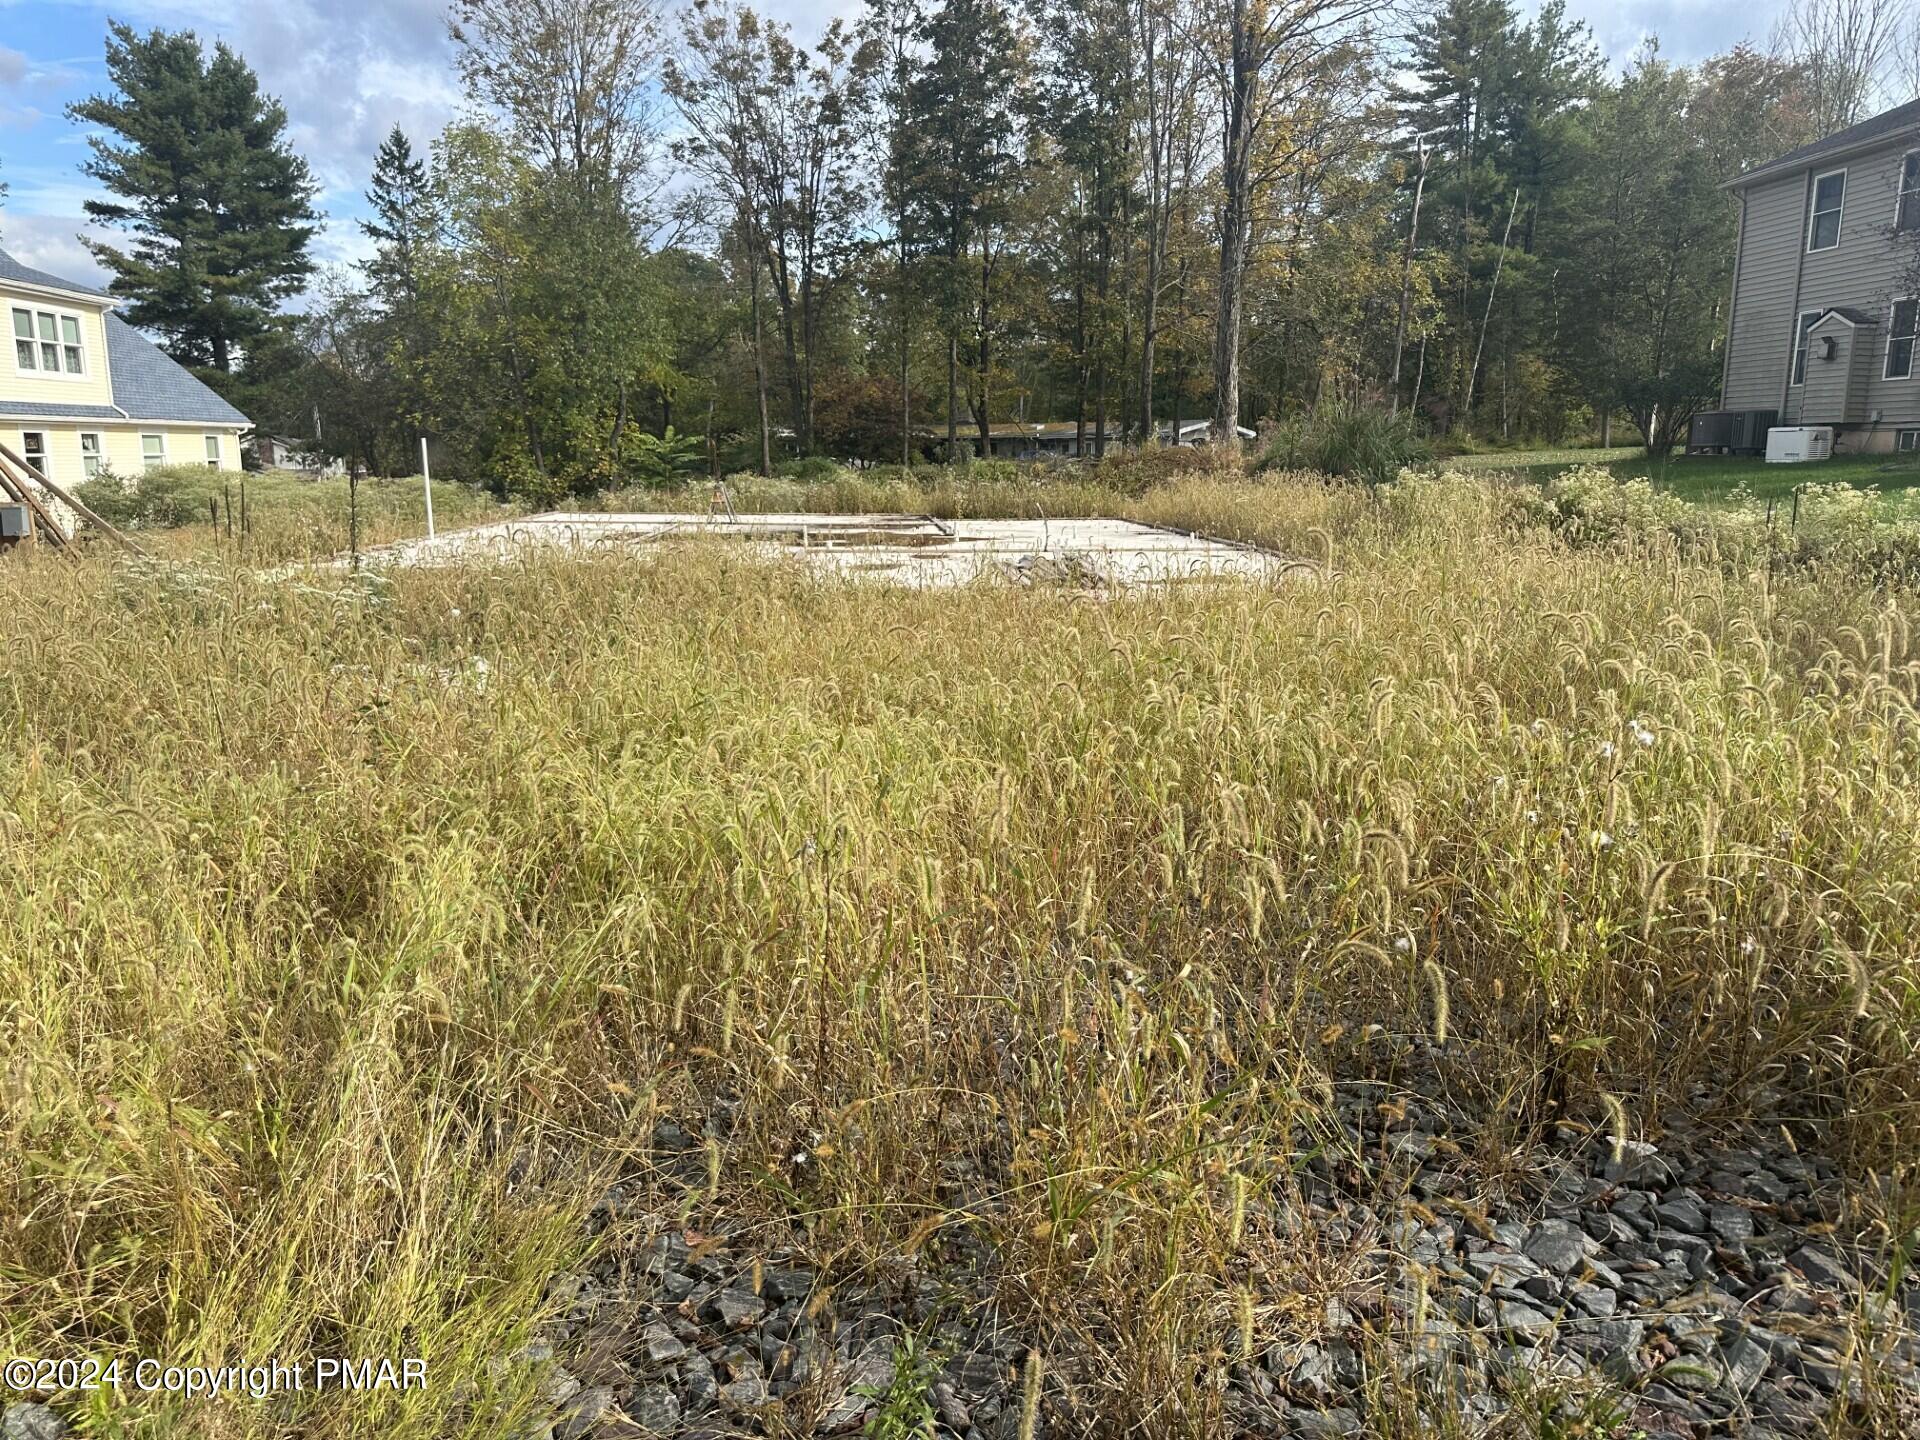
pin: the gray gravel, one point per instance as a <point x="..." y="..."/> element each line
<point x="1701" y="1289"/>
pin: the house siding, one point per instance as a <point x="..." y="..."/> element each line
<point x="1777" y="278"/>
<point x="120" y="445"/>
<point x="92" y="387"/>
<point x="1760" y="338"/>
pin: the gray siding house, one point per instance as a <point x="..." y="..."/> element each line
<point x="1826" y="286"/>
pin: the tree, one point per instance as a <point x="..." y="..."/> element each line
<point x="403" y="222"/>
<point x="1648" y="259"/>
<point x="544" y="286"/>
<point x="894" y="26"/>
<point x="967" y="136"/>
<point x="1847" y="53"/>
<point x="1169" y="134"/>
<point x="219" y="204"/>
<point x="572" y="80"/>
<point x="1274" y="62"/>
<point x="1089" y="97"/>
<point x="780" y="131"/>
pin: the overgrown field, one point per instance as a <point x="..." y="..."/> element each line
<point x="355" y="935"/>
<point x="273" y="517"/>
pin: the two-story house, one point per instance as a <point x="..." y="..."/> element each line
<point x="1826" y="289"/>
<point x="82" y="392"/>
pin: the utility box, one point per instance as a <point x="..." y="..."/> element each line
<point x="1796" y="444"/>
<point x="1730" y="432"/>
<point x="15" y="523"/>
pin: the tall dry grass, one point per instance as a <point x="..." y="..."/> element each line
<point x="355" y="934"/>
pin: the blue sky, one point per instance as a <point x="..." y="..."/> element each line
<point x="347" y="70"/>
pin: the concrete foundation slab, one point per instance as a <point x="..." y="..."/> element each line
<point x="912" y="550"/>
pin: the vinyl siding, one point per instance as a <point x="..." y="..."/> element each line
<point x="1864" y="272"/>
<point x="94" y="387"/>
<point x="120" y="444"/>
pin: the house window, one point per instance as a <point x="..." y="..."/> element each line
<point x="1808" y="319"/>
<point x="1907" y="440"/>
<point x="213" y="452"/>
<point x="1829" y="196"/>
<point x="1906" y="210"/>
<point x="90" y="458"/>
<point x="1901" y="329"/>
<point x="34" y="443"/>
<point x="49" y="341"/>
<point x="153" y="450"/>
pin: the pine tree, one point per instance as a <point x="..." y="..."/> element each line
<point x="403" y="221"/>
<point x="966" y="130"/>
<point x="219" y="206"/>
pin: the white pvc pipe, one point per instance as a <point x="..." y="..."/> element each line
<point x="426" y="482"/>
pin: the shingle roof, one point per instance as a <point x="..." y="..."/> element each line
<point x="41" y="410"/>
<point x="1885" y="125"/>
<point x="12" y="269"/>
<point x="149" y="384"/>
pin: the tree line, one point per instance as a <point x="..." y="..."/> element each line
<point x="658" y="241"/>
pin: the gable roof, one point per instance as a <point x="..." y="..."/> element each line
<point x="1884" y="126"/>
<point x="149" y="384"/>
<point x="1847" y="313"/>
<point x="12" y="269"/>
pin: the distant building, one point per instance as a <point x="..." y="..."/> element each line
<point x="277" y="452"/>
<point x="1049" y="439"/>
<point x="1196" y="432"/>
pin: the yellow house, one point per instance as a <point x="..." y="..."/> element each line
<point x="82" y="392"/>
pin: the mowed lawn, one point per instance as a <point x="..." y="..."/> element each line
<point x="1704" y="479"/>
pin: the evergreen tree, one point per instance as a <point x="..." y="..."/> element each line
<point x="219" y="206"/>
<point x="1089" y="97"/>
<point x="965" y="161"/>
<point x="403" y="221"/>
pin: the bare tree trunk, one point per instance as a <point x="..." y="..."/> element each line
<point x="1236" y="179"/>
<point x="1493" y="289"/>
<point x="1406" y="275"/>
<point x="760" y="381"/>
<point x="906" y="388"/>
<point x="953" y="396"/>
<point x="986" y="348"/>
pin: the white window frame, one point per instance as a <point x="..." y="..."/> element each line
<point x="96" y="457"/>
<point x="1901" y="190"/>
<point x="60" y="315"/>
<point x="214" y="455"/>
<point x="1839" y="212"/>
<point x="1906" y="441"/>
<point x="1803" y="324"/>
<point x="44" y="460"/>
<point x="148" y="462"/>
<point x="1912" y="337"/>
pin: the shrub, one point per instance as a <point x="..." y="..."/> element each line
<point x="1133" y="472"/>
<point x="1349" y="442"/>
<point x="809" y="467"/>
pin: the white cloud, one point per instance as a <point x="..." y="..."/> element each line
<point x="52" y="243"/>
